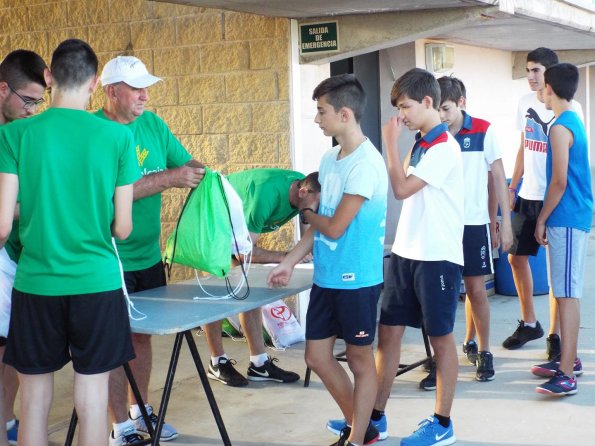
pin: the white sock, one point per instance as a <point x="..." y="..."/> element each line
<point x="215" y="359"/>
<point x="532" y="324"/>
<point x="10" y="424"/>
<point x="135" y="411"/>
<point x="121" y="427"/>
<point x="259" y="360"/>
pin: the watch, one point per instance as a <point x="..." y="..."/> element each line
<point x="303" y="219"/>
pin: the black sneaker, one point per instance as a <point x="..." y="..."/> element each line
<point x="429" y="364"/>
<point x="522" y="335"/>
<point x="429" y="382"/>
<point x="225" y="373"/>
<point x="485" y="367"/>
<point x="371" y="436"/>
<point x="553" y="348"/>
<point x="270" y="372"/>
<point x="470" y="350"/>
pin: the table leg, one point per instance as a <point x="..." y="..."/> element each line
<point x="169" y="381"/>
<point x="207" y="388"/>
<point x="139" y="399"/>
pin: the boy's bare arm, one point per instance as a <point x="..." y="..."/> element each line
<point x="122" y="223"/>
<point x="403" y="186"/>
<point x="280" y="275"/>
<point x="9" y="188"/>
<point x="500" y="189"/>
<point x="334" y="227"/>
<point x="517" y="173"/>
<point x="560" y="140"/>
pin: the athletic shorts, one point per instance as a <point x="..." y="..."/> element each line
<point x="145" y="279"/>
<point x="421" y="292"/>
<point x="477" y="250"/>
<point x="347" y="314"/>
<point x="7" y="271"/>
<point x="566" y="259"/>
<point x="91" y="329"/>
<point x="523" y="227"/>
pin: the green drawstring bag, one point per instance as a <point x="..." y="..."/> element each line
<point x="202" y="236"/>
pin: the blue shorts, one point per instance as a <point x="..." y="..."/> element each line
<point x="347" y="314"/>
<point x="477" y="250"/>
<point x="417" y="292"/>
<point x="566" y="260"/>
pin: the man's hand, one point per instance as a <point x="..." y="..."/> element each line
<point x="512" y="198"/>
<point x="494" y="234"/>
<point x="392" y="129"/>
<point x="185" y="176"/>
<point x="505" y="236"/>
<point x="279" y="276"/>
<point x="540" y="235"/>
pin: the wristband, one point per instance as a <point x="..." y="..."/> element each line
<point x="303" y="219"/>
<point x="512" y="189"/>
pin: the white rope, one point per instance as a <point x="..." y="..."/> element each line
<point x="128" y="301"/>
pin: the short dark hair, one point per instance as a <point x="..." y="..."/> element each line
<point x="451" y="89"/>
<point x="544" y="56"/>
<point x="73" y="63"/>
<point x="343" y="90"/>
<point x="416" y="84"/>
<point x="563" y="78"/>
<point x="21" y="67"/>
<point x="310" y="182"/>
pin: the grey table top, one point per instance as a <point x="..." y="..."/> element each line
<point x="175" y="308"/>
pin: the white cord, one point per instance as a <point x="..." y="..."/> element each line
<point x="129" y="302"/>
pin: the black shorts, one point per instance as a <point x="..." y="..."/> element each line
<point x="421" y="291"/>
<point x="523" y="227"/>
<point x="347" y="314"/>
<point x="477" y="250"/>
<point x="91" y="329"/>
<point x="145" y="279"/>
<point x="2" y="341"/>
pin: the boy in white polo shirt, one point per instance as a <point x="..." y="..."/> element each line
<point x="422" y="284"/>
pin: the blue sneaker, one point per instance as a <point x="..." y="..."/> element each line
<point x="336" y="426"/>
<point x="13" y="433"/>
<point x="430" y="433"/>
<point x="558" y="385"/>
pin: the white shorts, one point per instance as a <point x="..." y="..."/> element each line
<point x="7" y="271"/>
<point x="566" y="259"/>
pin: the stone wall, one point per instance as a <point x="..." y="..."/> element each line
<point x="226" y="75"/>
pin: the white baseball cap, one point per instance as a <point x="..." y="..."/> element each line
<point x="127" y="69"/>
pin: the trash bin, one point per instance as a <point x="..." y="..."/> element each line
<point x="503" y="273"/>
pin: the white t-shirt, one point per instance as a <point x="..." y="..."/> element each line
<point x="479" y="148"/>
<point x="534" y="120"/>
<point x="431" y="224"/>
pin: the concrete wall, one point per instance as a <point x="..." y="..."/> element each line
<point x="226" y="75"/>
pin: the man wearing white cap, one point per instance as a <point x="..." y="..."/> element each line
<point x="164" y="164"/>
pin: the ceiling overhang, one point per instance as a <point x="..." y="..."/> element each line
<point x="364" y="26"/>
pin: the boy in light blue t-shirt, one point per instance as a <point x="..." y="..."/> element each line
<point x="347" y="235"/>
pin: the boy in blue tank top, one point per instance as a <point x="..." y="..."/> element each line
<point x="564" y="223"/>
<point x="347" y="235"/>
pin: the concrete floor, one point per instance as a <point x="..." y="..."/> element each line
<point x="506" y="411"/>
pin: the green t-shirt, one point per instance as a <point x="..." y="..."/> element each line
<point x="156" y="149"/>
<point x="265" y="193"/>
<point x="69" y="164"/>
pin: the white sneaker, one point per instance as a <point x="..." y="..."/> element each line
<point x="168" y="432"/>
<point x="128" y="437"/>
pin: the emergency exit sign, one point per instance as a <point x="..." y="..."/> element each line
<point x="319" y="37"/>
